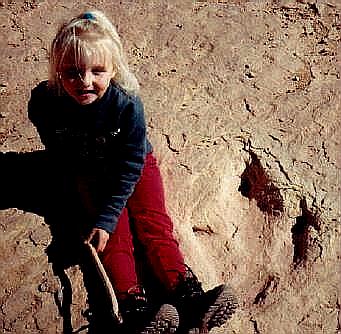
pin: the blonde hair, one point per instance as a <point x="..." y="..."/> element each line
<point x="90" y="35"/>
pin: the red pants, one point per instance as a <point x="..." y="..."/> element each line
<point x="146" y="215"/>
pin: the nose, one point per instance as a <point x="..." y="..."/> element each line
<point x="86" y="78"/>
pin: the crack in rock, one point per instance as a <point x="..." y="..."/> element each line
<point x="206" y="229"/>
<point x="270" y="286"/>
<point x="255" y="326"/>
<point x="170" y="145"/>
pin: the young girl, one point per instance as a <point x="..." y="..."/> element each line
<point x="91" y="122"/>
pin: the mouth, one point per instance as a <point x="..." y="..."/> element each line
<point x="82" y="92"/>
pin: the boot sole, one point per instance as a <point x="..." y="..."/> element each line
<point x="219" y="312"/>
<point x="166" y="321"/>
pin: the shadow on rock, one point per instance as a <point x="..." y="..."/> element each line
<point x="32" y="182"/>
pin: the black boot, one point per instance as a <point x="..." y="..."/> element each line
<point x="200" y="311"/>
<point x="139" y="317"/>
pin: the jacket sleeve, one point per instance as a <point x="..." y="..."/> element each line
<point x="127" y="164"/>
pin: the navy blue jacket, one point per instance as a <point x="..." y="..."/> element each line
<point x="105" y="140"/>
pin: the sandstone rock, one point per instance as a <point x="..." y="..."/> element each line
<point x="243" y="105"/>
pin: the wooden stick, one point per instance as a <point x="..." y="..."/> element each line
<point x="105" y="279"/>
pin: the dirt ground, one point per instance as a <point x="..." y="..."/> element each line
<point x="243" y="106"/>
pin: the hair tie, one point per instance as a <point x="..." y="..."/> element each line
<point x="88" y="16"/>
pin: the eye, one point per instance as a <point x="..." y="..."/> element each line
<point x="70" y="73"/>
<point x="98" y="70"/>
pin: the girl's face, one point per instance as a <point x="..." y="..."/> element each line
<point x="86" y="80"/>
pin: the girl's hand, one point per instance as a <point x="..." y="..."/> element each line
<point x="98" y="238"/>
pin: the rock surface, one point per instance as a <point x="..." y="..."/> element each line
<point x="243" y="103"/>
